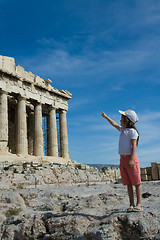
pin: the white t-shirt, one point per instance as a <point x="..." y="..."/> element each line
<point x="126" y="135"/>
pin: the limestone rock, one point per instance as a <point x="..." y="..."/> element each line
<point x="29" y="175"/>
<point x="78" y="212"/>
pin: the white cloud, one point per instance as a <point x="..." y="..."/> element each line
<point x="83" y="68"/>
<point x="77" y="103"/>
<point x="149" y="127"/>
<point x="149" y="116"/>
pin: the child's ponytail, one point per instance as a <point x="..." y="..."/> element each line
<point x="132" y="125"/>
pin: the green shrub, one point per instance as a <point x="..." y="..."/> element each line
<point x="11" y="212"/>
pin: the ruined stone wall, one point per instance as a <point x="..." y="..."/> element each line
<point x="147" y="174"/>
<point x="33" y="174"/>
<point x="112" y="172"/>
<point x="151" y="173"/>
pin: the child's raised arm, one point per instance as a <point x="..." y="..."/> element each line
<point x="113" y="123"/>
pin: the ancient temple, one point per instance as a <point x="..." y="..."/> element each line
<point x="25" y="100"/>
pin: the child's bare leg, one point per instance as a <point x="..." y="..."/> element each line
<point x="130" y="194"/>
<point x="139" y="194"/>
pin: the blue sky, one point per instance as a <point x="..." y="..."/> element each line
<point x="106" y="53"/>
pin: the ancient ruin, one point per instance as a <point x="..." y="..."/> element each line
<point x="151" y="173"/>
<point x="26" y="103"/>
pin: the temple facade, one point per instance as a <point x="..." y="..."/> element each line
<point x="25" y="101"/>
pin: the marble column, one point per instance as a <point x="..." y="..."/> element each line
<point x="63" y="134"/>
<point x="52" y="139"/>
<point x="38" y="137"/>
<point x="22" y="145"/>
<point x="3" y="121"/>
<point x="30" y="131"/>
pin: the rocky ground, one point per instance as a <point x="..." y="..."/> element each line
<point x="83" y="212"/>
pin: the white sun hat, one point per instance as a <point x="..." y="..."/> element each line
<point x="130" y="114"/>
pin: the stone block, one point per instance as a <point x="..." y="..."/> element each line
<point x="26" y="166"/>
<point x="158" y="165"/>
<point x="34" y="164"/>
<point x="83" y="166"/>
<point x="1" y="62"/>
<point x="47" y="81"/>
<point x="3" y="147"/>
<point x="119" y="180"/>
<point x="143" y="171"/>
<point x="117" y="174"/>
<point x="24" y="75"/>
<point x="7" y="64"/>
<point x="39" y="81"/>
<point x="149" y="171"/>
<point x="154" y="169"/>
<point x="144" y="177"/>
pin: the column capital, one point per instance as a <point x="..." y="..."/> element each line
<point x="37" y="103"/>
<point x="52" y="107"/>
<point x="63" y="110"/>
<point x="20" y="97"/>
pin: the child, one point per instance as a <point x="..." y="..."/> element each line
<point x="129" y="163"/>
